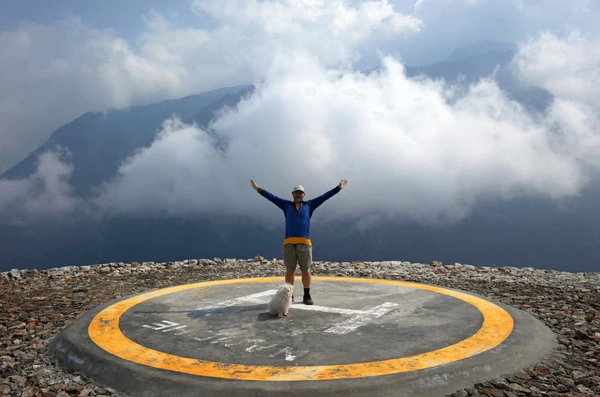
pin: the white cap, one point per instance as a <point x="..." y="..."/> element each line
<point x="298" y="187"/>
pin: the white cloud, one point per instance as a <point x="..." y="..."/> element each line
<point x="449" y="24"/>
<point x="411" y="149"/>
<point x="569" y="68"/>
<point x="54" y="73"/>
<point x="186" y="170"/>
<point x="406" y="151"/>
<point x="45" y="193"/>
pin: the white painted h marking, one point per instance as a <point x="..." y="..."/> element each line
<point x="360" y="317"/>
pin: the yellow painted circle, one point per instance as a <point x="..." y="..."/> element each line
<point x="104" y="331"/>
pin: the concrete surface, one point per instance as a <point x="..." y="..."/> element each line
<point x="362" y="337"/>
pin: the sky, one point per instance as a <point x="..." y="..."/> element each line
<point x="314" y="119"/>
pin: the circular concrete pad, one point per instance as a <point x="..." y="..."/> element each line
<point x="362" y="337"/>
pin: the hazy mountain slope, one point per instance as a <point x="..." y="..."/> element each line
<point x="481" y="47"/>
<point x="99" y="142"/>
<point x="472" y="67"/>
<point x="485" y="59"/>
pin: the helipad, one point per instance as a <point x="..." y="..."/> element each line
<point x="362" y="337"/>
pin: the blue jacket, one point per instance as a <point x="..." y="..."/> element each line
<point x="297" y="222"/>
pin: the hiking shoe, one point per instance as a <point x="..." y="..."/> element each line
<point x="307" y="300"/>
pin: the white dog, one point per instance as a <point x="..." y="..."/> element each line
<point x="281" y="302"/>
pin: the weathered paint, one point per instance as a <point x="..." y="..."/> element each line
<point x="104" y="331"/>
<point x="254" y="298"/>
<point x="361" y="319"/>
<point x="164" y="326"/>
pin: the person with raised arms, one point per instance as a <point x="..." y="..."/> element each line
<point x="297" y="246"/>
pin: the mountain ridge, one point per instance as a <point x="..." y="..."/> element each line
<point x="99" y="142"/>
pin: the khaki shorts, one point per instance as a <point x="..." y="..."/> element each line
<point x="300" y="254"/>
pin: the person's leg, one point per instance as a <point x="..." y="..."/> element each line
<point x="304" y="254"/>
<point x="306" y="279"/>
<point x="289" y="277"/>
<point x="290" y="262"/>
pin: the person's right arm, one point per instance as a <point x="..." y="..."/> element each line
<point x="278" y="201"/>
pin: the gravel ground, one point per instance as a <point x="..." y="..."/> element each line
<point x="36" y="305"/>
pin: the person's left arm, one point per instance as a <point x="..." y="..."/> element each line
<point x="317" y="201"/>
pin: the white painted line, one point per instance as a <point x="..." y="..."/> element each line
<point x="234" y="343"/>
<point x="382" y="309"/>
<point x="230" y="338"/>
<point x="221" y="339"/>
<point x="362" y="319"/>
<point x="328" y="309"/>
<point x="203" y="339"/>
<point x="254" y="298"/>
<point x="256" y="346"/>
<point x="171" y="329"/>
<point x="162" y="325"/>
<point x="288" y="353"/>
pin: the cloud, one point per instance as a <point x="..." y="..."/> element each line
<point x="187" y="176"/>
<point x="406" y="149"/>
<point x="411" y="148"/>
<point x="568" y="68"/>
<point x="54" y="73"/>
<point x="449" y="24"/>
<point x="44" y="194"/>
<point x="314" y="18"/>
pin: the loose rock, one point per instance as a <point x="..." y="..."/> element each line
<point x="35" y="306"/>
